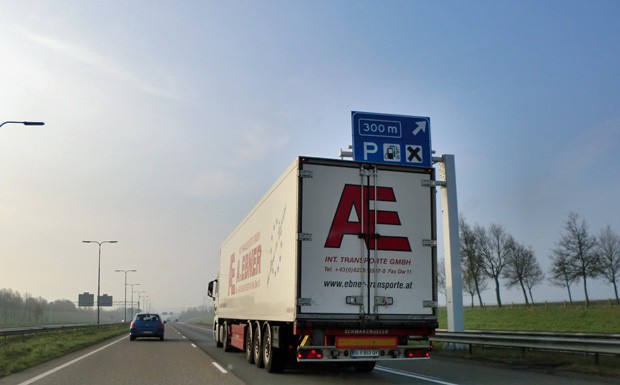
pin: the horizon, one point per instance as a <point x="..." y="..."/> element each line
<point x="165" y="125"/>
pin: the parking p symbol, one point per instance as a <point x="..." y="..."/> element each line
<point x="370" y="148"/>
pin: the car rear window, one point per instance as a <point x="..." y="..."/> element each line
<point x="147" y="317"/>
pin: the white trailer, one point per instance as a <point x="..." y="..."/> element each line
<point x="336" y="263"/>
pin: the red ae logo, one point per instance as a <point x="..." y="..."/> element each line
<point x="345" y="223"/>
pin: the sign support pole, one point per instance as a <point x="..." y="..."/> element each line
<point x="452" y="254"/>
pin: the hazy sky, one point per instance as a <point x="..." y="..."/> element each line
<point x="167" y="121"/>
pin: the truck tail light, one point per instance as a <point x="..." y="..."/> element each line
<point x="310" y="354"/>
<point x="416" y="353"/>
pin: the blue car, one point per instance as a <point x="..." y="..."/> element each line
<point x="146" y="325"/>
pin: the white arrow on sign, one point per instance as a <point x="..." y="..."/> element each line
<point x="421" y="127"/>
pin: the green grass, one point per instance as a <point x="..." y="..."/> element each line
<point x="599" y="317"/>
<point x="21" y="352"/>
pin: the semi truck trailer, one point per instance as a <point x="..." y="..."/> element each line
<point x="335" y="264"/>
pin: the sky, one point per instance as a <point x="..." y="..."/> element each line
<point x="166" y="121"/>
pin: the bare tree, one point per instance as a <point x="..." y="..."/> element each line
<point x="562" y="271"/>
<point x="520" y="264"/>
<point x="580" y="247"/>
<point x="609" y="254"/>
<point x="470" y="287"/>
<point x="534" y="277"/>
<point x="34" y="307"/>
<point x="11" y="304"/>
<point x="474" y="278"/>
<point x="494" y="246"/>
<point x="63" y="305"/>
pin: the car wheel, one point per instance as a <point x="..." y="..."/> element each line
<point x="132" y="338"/>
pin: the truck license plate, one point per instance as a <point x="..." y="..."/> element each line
<point x="364" y="353"/>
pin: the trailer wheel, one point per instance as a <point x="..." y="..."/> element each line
<point x="257" y="345"/>
<point x="273" y="358"/>
<point x="249" y="343"/>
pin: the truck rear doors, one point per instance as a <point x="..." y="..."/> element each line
<point x="366" y="235"/>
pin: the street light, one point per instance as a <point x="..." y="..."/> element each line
<point x="99" y="275"/>
<point x="132" y="304"/>
<point x="125" y="271"/>
<point x="145" y="302"/>
<point x="139" y="294"/>
<point x="24" y="123"/>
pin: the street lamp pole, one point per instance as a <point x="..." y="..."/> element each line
<point x="26" y="123"/>
<point x="125" y="271"/>
<point x="145" y="302"/>
<point x="132" y="304"/>
<point x="139" y="294"/>
<point x="99" y="277"/>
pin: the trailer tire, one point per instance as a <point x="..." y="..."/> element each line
<point x="258" y="346"/>
<point x="249" y="343"/>
<point x="273" y="358"/>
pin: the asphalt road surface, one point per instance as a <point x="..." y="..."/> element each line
<point x="188" y="356"/>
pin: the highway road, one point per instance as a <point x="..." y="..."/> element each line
<point x="188" y="356"/>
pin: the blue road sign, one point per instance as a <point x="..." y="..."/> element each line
<point x="392" y="139"/>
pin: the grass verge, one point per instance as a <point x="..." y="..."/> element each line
<point x="21" y="352"/>
<point x="599" y="317"/>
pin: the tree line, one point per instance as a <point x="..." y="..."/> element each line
<point x="491" y="255"/>
<point x="26" y="310"/>
<point x="14" y="306"/>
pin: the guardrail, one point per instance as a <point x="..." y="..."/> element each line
<point x="565" y="342"/>
<point x="46" y="329"/>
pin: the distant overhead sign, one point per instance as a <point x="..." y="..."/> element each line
<point x="86" y="299"/>
<point x="105" y="300"/>
<point x="392" y="139"/>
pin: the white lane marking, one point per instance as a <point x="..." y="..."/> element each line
<point x="219" y="367"/>
<point x="413" y="375"/>
<point x="51" y="371"/>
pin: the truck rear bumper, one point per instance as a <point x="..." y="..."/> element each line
<point x="361" y="354"/>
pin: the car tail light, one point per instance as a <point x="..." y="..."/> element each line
<point x="133" y="324"/>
